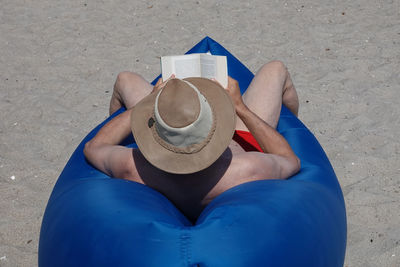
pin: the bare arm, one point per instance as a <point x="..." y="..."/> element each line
<point x="279" y="153"/>
<point x="104" y="151"/>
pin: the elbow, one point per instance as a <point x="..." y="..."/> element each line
<point x="297" y="165"/>
<point x="293" y="168"/>
<point x="88" y="149"/>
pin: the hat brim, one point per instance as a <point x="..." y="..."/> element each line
<point x="180" y="163"/>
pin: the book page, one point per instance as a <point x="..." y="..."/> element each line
<point x="182" y="66"/>
<point x="187" y="67"/>
<point x="208" y="66"/>
<point x="195" y="65"/>
<point x="166" y="67"/>
<point x="222" y="71"/>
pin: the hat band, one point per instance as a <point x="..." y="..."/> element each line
<point x="191" y="138"/>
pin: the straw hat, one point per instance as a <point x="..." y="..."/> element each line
<point x="185" y="126"/>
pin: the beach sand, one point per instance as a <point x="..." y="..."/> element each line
<point x="59" y="60"/>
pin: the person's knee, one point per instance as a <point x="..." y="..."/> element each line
<point x="125" y="79"/>
<point x="276" y="66"/>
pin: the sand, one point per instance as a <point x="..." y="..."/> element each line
<point x="59" y="60"/>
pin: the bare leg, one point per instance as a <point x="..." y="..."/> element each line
<point x="129" y="89"/>
<point x="270" y="88"/>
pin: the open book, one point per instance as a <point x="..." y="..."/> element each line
<point x="196" y="65"/>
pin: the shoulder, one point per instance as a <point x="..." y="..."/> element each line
<point x="265" y="166"/>
<point x="123" y="163"/>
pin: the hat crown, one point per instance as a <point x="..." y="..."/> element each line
<point x="190" y="123"/>
<point x="178" y="104"/>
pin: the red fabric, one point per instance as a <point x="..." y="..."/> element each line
<point x="246" y="140"/>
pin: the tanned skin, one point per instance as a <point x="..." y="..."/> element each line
<point x="257" y="112"/>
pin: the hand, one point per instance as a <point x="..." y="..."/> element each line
<point x="233" y="90"/>
<point x="160" y="84"/>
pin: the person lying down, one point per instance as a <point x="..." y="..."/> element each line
<point x="195" y="138"/>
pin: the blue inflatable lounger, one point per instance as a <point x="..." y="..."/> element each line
<point x="94" y="220"/>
